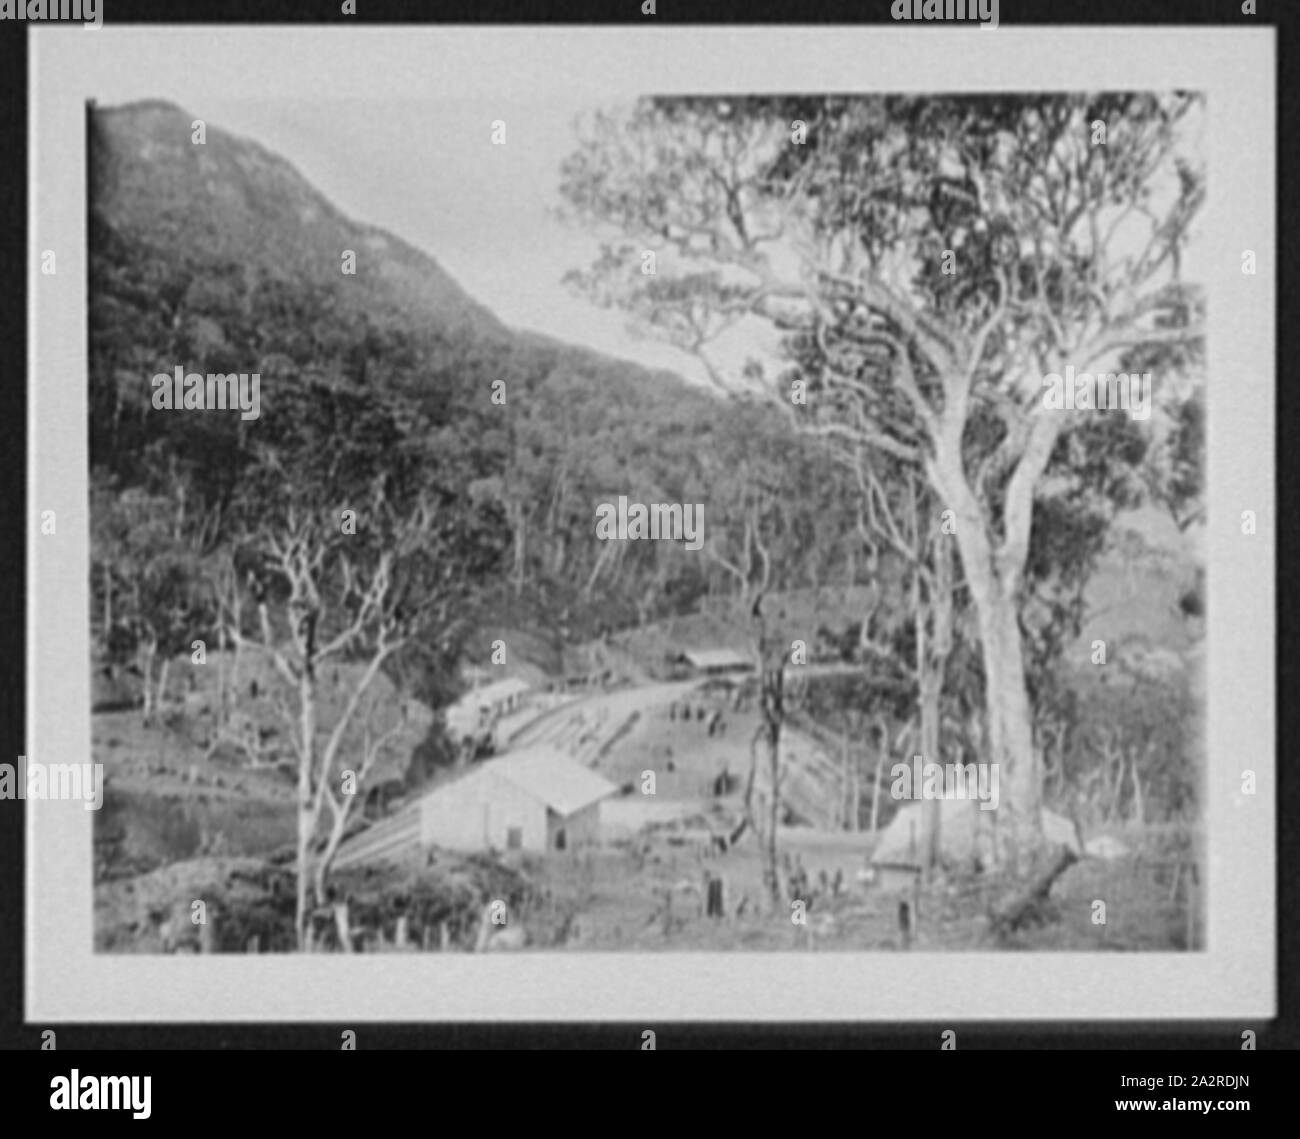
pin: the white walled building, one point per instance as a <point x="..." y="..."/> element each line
<point x="537" y="800"/>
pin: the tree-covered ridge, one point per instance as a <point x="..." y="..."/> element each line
<point x="220" y="258"/>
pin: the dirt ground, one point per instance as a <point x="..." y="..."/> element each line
<point x="176" y="826"/>
<point x="647" y="894"/>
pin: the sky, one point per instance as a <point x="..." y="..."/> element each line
<point x="394" y="126"/>
<point x="424" y="168"/>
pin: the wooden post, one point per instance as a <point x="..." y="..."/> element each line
<point x="855" y="803"/>
<point x="906" y="920"/>
<point x="254" y="944"/>
<point x="341" y="925"/>
<point x="401" y="935"/>
<point x="208" y="933"/>
<point x="718" y="897"/>
<point x="846" y="787"/>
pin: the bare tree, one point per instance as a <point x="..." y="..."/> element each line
<point x="909" y="522"/>
<point x="373" y="746"/>
<point x="928" y="261"/>
<point x="313" y="577"/>
<point x="741" y="546"/>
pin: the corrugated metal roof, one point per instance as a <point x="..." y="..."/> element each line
<point x="552" y="778"/>
<point x="394" y="838"/>
<point x="497" y="690"/>
<point x="717" y="658"/>
<point x="546" y="775"/>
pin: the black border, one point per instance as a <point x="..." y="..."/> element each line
<point x="1119" y="1037"/>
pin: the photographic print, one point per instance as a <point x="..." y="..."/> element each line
<point x="702" y="525"/>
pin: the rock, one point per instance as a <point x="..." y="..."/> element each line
<point x="1059" y="831"/>
<point x="1103" y="846"/>
<point x="900" y="844"/>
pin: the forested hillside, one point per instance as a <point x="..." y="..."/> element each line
<point x="220" y="258"/>
<point x="420" y="486"/>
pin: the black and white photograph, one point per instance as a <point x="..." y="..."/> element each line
<point x="760" y="513"/>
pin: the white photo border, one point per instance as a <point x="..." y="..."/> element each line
<point x="1234" y="977"/>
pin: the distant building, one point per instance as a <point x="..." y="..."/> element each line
<point x="479" y="709"/>
<point x="501" y="697"/>
<point x="536" y="799"/>
<point x="714" y="662"/>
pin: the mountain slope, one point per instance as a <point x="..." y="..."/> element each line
<point x="237" y="201"/>
<point x="221" y="257"/>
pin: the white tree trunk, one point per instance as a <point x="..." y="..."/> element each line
<point x="875" y="779"/>
<point x="108" y="605"/>
<point x="1138" y="810"/>
<point x="1010" y="721"/>
<point x="306" y="807"/>
<point x="147" y="654"/>
<point x="994" y="575"/>
<point x="163" y="672"/>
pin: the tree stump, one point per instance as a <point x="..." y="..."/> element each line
<point x="906" y="922"/>
<point x="1028" y="906"/>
